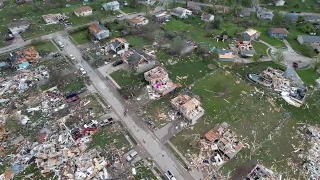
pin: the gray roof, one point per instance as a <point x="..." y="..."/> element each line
<point x="17" y="23"/>
<point x="309" y="39"/>
<point x="246" y="11"/>
<point x="178" y="10"/>
<point x="311" y="17"/>
<point x="206" y="16"/>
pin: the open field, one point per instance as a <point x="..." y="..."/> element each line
<point x="46" y="46"/>
<point x="260" y="48"/>
<point x="143" y="172"/>
<point x="227" y="98"/>
<point x="110" y="135"/>
<point x="80" y="37"/>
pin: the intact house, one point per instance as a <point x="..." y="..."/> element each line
<point x="281" y="33"/>
<point x="83" y="11"/>
<point x="146" y="2"/>
<point x="138" y="21"/>
<point x="180" y="12"/>
<point x="140" y="61"/>
<point x="189" y="107"/>
<point x="159" y="82"/>
<point x="54" y="18"/>
<point x="250" y="35"/>
<point x="17" y="27"/>
<point x="313" y="40"/>
<point x="161" y="16"/>
<point x="99" y="31"/>
<point x="207" y="17"/>
<point x="118" y="46"/>
<point x="225" y="144"/>
<point x="112" y="6"/>
<point x="226" y="55"/>
<point x="265" y="14"/>
<point x="246" y="12"/>
<point x="22" y="58"/>
<point x="194" y="6"/>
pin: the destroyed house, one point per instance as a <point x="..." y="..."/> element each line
<point x="140" y="61"/>
<point x="189" y="107"/>
<point x="159" y="79"/>
<point x="225" y="140"/>
<point x="29" y="55"/>
<point x="161" y="16"/>
<point x="17" y="27"/>
<point x="262" y="173"/>
<point x="138" y="21"/>
<point x="119" y="45"/>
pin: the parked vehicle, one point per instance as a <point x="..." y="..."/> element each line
<point x="61" y="44"/>
<point x="72" y="57"/>
<point x="169" y="175"/>
<point x="117" y="63"/>
<point x="107" y="121"/>
<point x="83" y="72"/>
<point x="120" y="16"/>
<point x="131" y="156"/>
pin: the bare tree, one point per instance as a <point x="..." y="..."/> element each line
<point x="177" y="44"/>
<point x="158" y="37"/>
<point x="279" y="56"/>
<point x="316" y="62"/>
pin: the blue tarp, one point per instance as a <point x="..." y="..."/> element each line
<point x="23" y="65"/>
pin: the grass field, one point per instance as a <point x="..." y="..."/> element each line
<point x="260" y="48"/>
<point x="46" y="46"/>
<point x="137" y="42"/>
<point x="80" y="37"/>
<point x="227" y="98"/>
<point x="126" y="78"/>
<point x="266" y="38"/>
<point x="110" y="135"/>
<point x="194" y="31"/>
<point x="143" y="172"/>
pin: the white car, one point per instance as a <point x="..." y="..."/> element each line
<point x="131" y="156"/>
<point x="61" y="44"/>
<point x="120" y="16"/>
<point x="169" y="175"/>
<point x="72" y="57"/>
<point x="83" y="72"/>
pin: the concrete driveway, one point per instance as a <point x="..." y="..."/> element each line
<point x="292" y="56"/>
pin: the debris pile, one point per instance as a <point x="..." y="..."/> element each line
<point x="53" y="100"/>
<point x="189" y="107"/>
<point x="288" y="84"/>
<point x="160" y="83"/>
<point x="261" y="172"/>
<point x="312" y="156"/>
<point x="23" y="80"/>
<point x="220" y="145"/>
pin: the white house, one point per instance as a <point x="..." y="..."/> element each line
<point x="113" y="6"/>
<point x="119" y="45"/>
<point x="180" y="12"/>
<point x="207" y="17"/>
<point x="83" y="11"/>
<point x="139" y="21"/>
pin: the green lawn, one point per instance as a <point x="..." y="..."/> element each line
<point x="36" y="30"/>
<point x="46" y="46"/>
<point x="292" y="39"/>
<point x="194" y="31"/>
<point x="270" y="40"/>
<point x="80" y="37"/>
<point x="137" y="42"/>
<point x="73" y="85"/>
<point x="143" y="172"/>
<point x="226" y="98"/>
<point x="110" y="135"/>
<point x="308" y="76"/>
<point x="126" y="78"/>
<point x="260" y="48"/>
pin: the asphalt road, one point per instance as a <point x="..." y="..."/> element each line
<point x="152" y="145"/>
